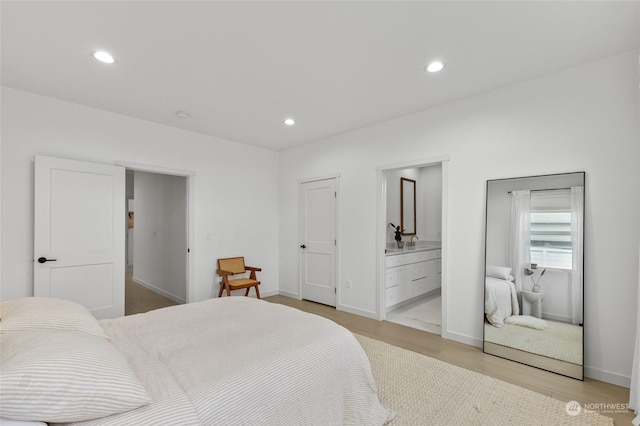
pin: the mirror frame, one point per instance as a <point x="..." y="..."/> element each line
<point x="521" y="356"/>
<point x="407" y="211"/>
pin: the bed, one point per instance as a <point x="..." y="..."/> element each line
<point x="234" y="360"/>
<point x="500" y="300"/>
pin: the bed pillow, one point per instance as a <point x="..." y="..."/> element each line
<point x="499" y="272"/>
<point x="48" y="313"/>
<point x="58" y="376"/>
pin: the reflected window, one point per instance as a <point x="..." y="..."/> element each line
<point x="551" y="245"/>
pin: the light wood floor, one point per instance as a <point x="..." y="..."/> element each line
<point x="139" y="299"/>
<point x="472" y="358"/>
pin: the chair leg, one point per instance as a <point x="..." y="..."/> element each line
<point x="257" y="292"/>
<point x="228" y="290"/>
<point x="221" y="288"/>
<point x="246" y="291"/>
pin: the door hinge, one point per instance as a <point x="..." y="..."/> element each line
<point x="188" y="250"/>
<point x="335" y="242"/>
<point x="335" y="290"/>
<point x="335" y="194"/>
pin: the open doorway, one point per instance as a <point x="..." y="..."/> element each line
<point x="412" y="243"/>
<point x="157" y="236"/>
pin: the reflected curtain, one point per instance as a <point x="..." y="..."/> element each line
<point x="520" y="236"/>
<point x="577" y="225"/>
<point x="634" y="397"/>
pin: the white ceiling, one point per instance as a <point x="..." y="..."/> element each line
<point x="240" y="68"/>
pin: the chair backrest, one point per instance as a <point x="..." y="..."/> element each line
<point x="234" y="265"/>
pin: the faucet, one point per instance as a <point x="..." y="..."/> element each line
<point x="411" y="242"/>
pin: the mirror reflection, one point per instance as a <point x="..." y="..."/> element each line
<point x="408" y="206"/>
<point x="534" y="271"/>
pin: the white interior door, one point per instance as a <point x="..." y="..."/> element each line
<point x="318" y="241"/>
<point x="79" y="234"/>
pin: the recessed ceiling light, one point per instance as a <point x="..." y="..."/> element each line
<point x="103" y="56"/>
<point x="183" y="115"/>
<point x="289" y="122"/>
<point x="435" y="66"/>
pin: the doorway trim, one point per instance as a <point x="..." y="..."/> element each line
<point x="190" y="175"/>
<point x="335" y="176"/>
<point x="381" y="227"/>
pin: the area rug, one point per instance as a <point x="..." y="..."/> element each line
<point x="427" y="391"/>
<point x="559" y="340"/>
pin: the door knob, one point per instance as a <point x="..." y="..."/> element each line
<point x="44" y="259"/>
<point x="303" y="246"/>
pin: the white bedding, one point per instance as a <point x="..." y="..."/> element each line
<point x="500" y="300"/>
<point x="238" y="360"/>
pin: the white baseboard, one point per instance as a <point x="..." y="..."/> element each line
<point x="357" y="311"/>
<point x="607" y="376"/>
<point x="290" y="294"/>
<point x="554" y="317"/>
<point x="158" y="290"/>
<point x="264" y="294"/>
<point x="462" y="338"/>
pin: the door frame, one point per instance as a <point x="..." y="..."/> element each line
<point x="381" y="226"/>
<point x="335" y="176"/>
<point x="190" y="175"/>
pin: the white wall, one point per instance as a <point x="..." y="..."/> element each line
<point x="430" y="205"/>
<point x="584" y="118"/>
<point x="236" y="186"/>
<point x="160" y="242"/>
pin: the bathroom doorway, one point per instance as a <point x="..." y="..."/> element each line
<point x="412" y="284"/>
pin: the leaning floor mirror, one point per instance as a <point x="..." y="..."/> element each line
<point x="534" y="255"/>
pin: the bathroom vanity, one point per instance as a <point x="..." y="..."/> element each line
<point x="410" y="273"/>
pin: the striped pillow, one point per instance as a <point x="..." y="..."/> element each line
<point x="57" y="376"/>
<point x="48" y="313"/>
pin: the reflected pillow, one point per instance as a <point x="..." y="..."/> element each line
<point x="48" y="313"/>
<point x="58" y="376"/>
<point x="499" y="272"/>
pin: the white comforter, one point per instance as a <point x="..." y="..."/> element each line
<point x="242" y="361"/>
<point x="500" y="300"/>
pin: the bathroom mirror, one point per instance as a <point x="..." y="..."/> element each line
<point x="534" y="255"/>
<point x="408" y="206"/>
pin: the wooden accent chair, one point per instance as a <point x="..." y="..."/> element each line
<point x="232" y="266"/>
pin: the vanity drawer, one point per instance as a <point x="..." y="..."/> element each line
<point x="418" y="257"/>
<point x="424" y="269"/>
<point x="397" y="275"/>
<point x="391" y="296"/>
<point x="433" y="282"/>
<point x="391" y="278"/>
<point x="419" y="270"/>
<point x="434" y="254"/>
<point x="397" y="260"/>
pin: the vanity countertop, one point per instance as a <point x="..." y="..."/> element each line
<point x="417" y="248"/>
